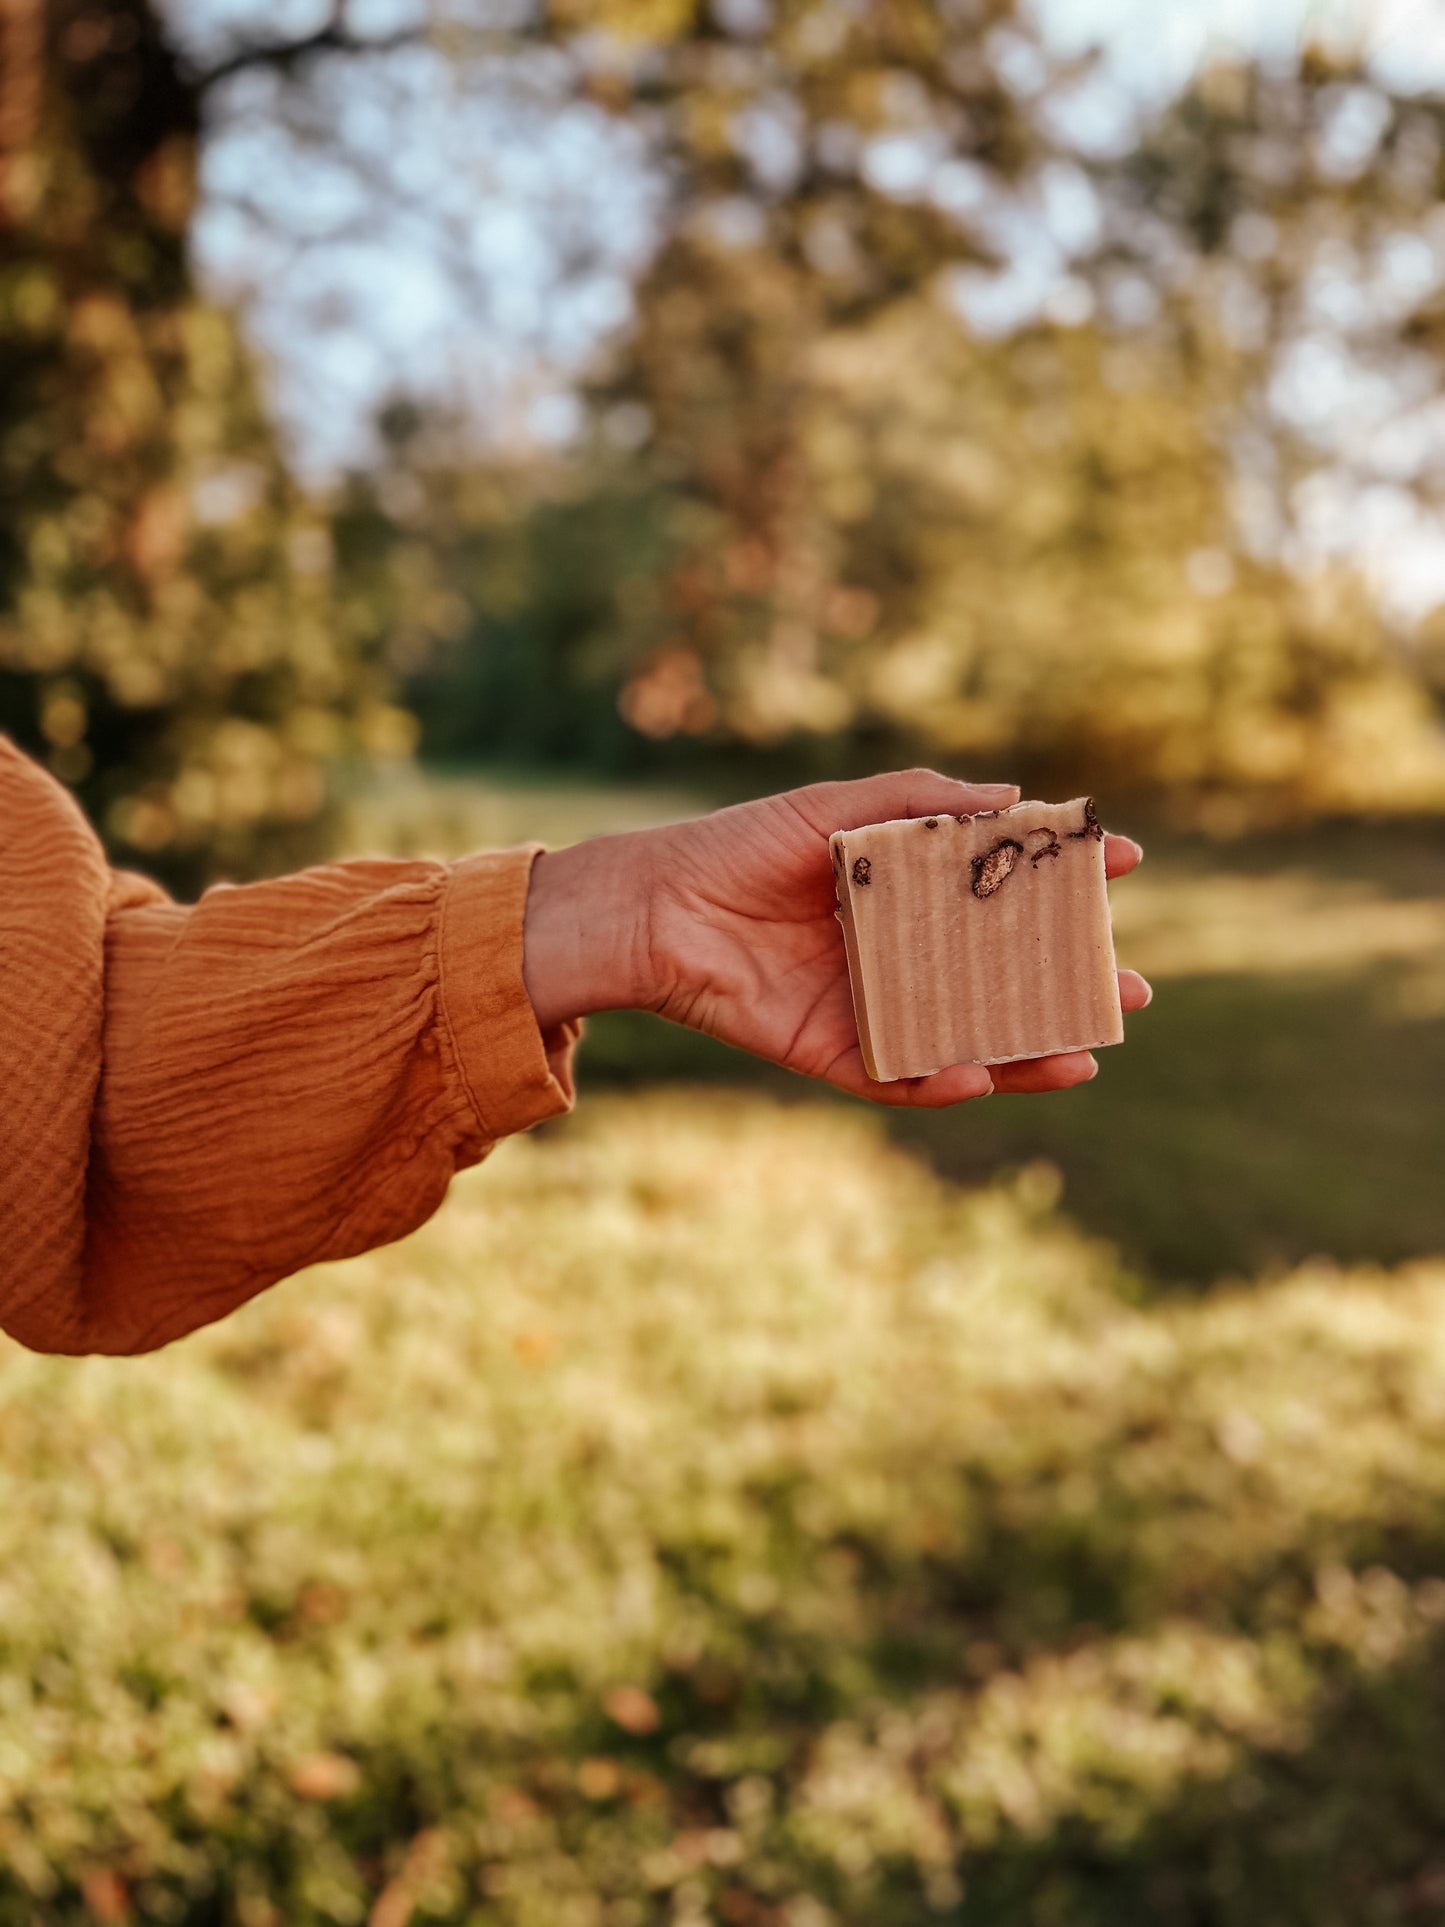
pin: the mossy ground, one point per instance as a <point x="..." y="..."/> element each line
<point x="714" y="1515"/>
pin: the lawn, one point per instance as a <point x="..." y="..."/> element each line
<point x="785" y="1514"/>
<point x="715" y="1515"/>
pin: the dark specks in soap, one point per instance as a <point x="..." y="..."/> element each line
<point x="1041" y="843"/>
<point x="993" y="869"/>
<point x="862" y="871"/>
<point x="931" y="823"/>
<point x="1091" y="824"/>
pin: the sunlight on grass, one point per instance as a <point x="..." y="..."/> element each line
<point x="424" y="812"/>
<point x="714" y="1516"/>
<point x="1191" y="925"/>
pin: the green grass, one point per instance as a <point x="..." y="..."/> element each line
<point x="716" y="1516"/>
<point x="1281" y="1099"/>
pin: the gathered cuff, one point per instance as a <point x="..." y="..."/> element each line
<point x="514" y="1073"/>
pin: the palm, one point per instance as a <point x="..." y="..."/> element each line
<point x="748" y="924"/>
<point x="765" y="961"/>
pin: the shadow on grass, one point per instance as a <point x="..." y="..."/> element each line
<point x="1342" y="1827"/>
<point x="1338" y="1823"/>
<point x="1346" y="1831"/>
<point x="1250" y="1122"/>
<point x="567" y="1813"/>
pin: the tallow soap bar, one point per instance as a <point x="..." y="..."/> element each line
<point x="978" y="939"/>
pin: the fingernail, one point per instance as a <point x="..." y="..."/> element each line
<point x="996" y="791"/>
<point x="1092" y="1072"/>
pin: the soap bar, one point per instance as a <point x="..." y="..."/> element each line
<point x="978" y="939"/>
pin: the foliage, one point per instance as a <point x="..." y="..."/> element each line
<point x="170" y="633"/>
<point x="998" y="557"/>
<point x="836" y="497"/>
<point x="512" y="633"/>
<point x="1072" y="544"/>
<point x="632" y="1547"/>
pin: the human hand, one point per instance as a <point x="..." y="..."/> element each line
<point x="727" y="924"/>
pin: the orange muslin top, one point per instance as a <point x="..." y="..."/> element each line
<point x="196" y="1101"/>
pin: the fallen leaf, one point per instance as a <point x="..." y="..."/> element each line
<point x="105" y="1894"/>
<point x="324" y="1776"/>
<point x="632" y="1709"/>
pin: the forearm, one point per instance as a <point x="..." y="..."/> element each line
<point x="291" y="1072"/>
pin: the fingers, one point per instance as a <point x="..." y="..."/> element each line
<point x="1067" y="1068"/>
<point x="1032" y="1074"/>
<point x="960" y="1082"/>
<point x="956" y="1085"/>
<point x="1135" y="992"/>
<point x="920" y="792"/>
<point x="1121" y="855"/>
<point x="899" y="793"/>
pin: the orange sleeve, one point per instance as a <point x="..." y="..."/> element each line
<point x="196" y="1102"/>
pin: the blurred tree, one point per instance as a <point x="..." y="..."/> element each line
<point x="171" y="639"/>
<point x="957" y="413"/>
<point x="1041" y="538"/>
<point x="513" y="596"/>
<point x="553" y="610"/>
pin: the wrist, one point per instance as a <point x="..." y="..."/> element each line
<point x="585" y="942"/>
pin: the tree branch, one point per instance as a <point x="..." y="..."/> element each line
<point x="283" y="56"/>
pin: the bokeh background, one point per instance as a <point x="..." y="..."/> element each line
<point x="430" y="425"/>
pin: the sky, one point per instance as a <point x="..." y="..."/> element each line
<point x="400" y="230"/>
<point x="520" y="217"/>
<point x="1153" y="45"/>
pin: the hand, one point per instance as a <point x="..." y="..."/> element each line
<point x="726" y="924"/>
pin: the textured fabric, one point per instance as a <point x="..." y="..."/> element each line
<point x="197" y="1101"/>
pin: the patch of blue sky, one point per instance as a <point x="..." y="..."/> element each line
<point x="1150" y="49"/>
<point x="402" y="224"/>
